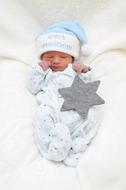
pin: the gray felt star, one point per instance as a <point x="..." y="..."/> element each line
<point x="80" y="96"/>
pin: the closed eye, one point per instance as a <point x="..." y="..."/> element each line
<point x="63" y="57"/>
<point x="50" y="57"/>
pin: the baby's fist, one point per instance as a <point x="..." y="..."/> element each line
<point x="44" y="64"/>
<point x="80" y="68"/>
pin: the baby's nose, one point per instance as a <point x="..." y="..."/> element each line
<point x="55" y="60"/>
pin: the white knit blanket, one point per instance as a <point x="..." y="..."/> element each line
<point x="103" y="164"/>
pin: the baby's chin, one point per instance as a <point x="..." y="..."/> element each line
<point x="56" y="69"/>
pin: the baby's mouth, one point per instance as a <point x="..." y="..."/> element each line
<point x="56" y="68"/>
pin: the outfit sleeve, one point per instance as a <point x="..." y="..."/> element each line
<point x="36" y="79"/>
<point x="86" y="77"/>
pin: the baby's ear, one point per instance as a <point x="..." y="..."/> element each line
<point x="41" y="57"/>
<point x="73" y="59"/>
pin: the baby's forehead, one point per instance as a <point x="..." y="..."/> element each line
<point x="56" y="53"/>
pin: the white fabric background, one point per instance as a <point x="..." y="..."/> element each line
<point x="103" y="166"/>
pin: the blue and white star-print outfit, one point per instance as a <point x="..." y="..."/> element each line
<point x="59" y="136"/>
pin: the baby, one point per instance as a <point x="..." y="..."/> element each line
<point x="60" y="136"/>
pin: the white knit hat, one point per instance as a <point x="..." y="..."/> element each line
<point x="67" y="36"/>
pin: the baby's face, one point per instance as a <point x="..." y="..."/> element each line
<point x="59" y="61"/>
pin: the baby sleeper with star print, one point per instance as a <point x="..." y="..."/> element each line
<point x="60" y="136"/>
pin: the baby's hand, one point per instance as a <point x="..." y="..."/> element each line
<point x="44" y="64"/>
<point x="80" y="68"/>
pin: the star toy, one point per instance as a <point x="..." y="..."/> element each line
<point x="80" y="96"/>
